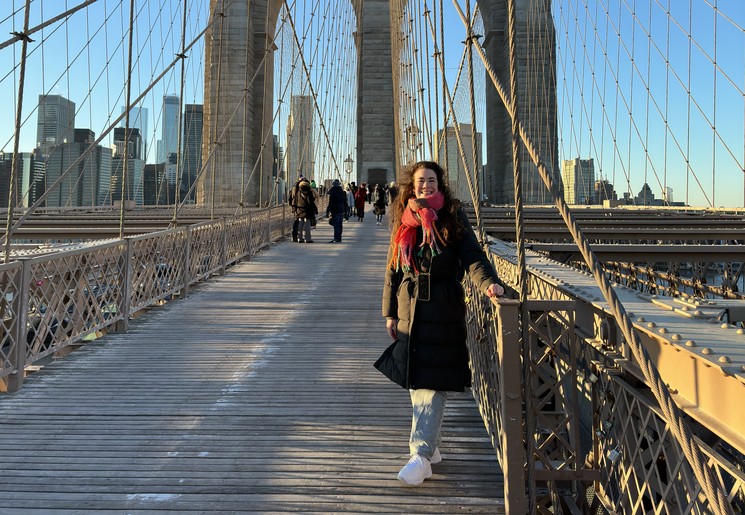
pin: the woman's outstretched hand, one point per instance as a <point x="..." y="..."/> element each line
<point x="494" y="290"/>
<point x="390" y="326"/>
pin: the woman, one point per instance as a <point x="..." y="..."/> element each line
<point x="432" y="246"/>
<point x="305" y="211"/>
<point x="379" y="203"/>
<point x="359" y="201"/>
<point x="350" y="201"/>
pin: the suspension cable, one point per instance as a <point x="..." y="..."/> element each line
<point x="180" y="159"/>
<point x="16" y="140"/>
<point x="42" y="198"/>
<point x="23" y="35"/>
<point x="520" y="241"/>
<point x="672" y="412"/>
<point x="312" y="91"/>
<point x="127" y="135"/>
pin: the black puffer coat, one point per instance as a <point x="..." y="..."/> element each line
<point x="430" y="351"/>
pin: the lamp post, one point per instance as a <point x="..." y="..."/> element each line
<point x="348" y="163"/>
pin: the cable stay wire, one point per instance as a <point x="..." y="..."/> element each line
<point x="672" y="412"/>
<point x="41" y="199"/>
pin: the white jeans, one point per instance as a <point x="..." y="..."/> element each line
<point x="428" y="410"/>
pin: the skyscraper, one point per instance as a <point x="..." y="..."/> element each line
<point x="135" y="166"/>
<point x="24" y="178"/>
<point x="457" y="177"/>
<point x="55" y="123"/>
<point x="133" y="191"/>
<point x="192" y="162"/>
<point x="138" y="120"/>
<point x="578" y="176"/>
<point x="170" y="124"/>
<point x="154" y="189"/>
<point x="300" y="144"/>
<point x="132" y="147"/>
<point x="84" y="183"/>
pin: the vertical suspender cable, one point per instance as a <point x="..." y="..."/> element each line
<point x="260" y="157"/>
<point x="42" y="198"/>
<point x="91" y="178"/>
<point x="474" y="175"/>
<point x="444" y="86"/>
<point x="127" y="135"/>
<point x="714" y="115"/>
<point x="428" y="108"/>
<point x="688" y="91"/>
<point x="667" y="102"/>
<point x="672" y="413"/>
<point x="244" y="150"/>
<point x="436" y="55"/>
<point x="520" y="240"/>
<point x="216" y="103"/>
<point x="16" y="139"/>
<point x="180" y="154"/>
<point x="472" y="187"/>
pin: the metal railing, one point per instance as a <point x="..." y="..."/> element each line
<point x="577" y="437"/>
<point x="54" y="301"/>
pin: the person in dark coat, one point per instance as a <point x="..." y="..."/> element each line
<point x="392" y="192"/>
<point x="305" y="211"/>
<point x="379" y="203"/>
<point x="292" y="199"/>
<point x="432" y="247"/>
<point x="336" y="209"/>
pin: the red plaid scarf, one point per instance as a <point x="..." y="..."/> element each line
<point x="419" y="212"/>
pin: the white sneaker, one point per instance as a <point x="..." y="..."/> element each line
<point x="436" y="457"/>
<point x="415" y="471"/>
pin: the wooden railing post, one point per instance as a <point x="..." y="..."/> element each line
<point x="284" y="220"/>
<point x="129" y="276"/>
<point x="223" y="247"/>
<point x="187" y="262"/>
<point x="511" y="400"/>
<point x="20" y="311"/>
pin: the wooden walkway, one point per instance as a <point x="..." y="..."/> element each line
<point x="256" y="393"/>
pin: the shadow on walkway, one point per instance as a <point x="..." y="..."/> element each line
<point x="255" y="393"/>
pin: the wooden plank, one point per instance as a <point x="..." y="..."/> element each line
<point x="255" y="393"/>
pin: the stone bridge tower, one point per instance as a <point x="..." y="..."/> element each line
<point x="237" y="134"/>
<point x="376" y="110"/>
<point x="240" y="44"/>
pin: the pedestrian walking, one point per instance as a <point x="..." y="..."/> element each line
<point x="432" y="245"/>
<point x="292" y="199"/>
<point x="359" y="202"/>
<point x="392" y="192"/>
<point x="379" y="202"/>
<point x="306" y="211"/>
<point x="350" y="201"/>
<point x="336" y="209"/>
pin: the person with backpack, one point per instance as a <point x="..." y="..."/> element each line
<point x="305" y="211"/>
<point x="292" y="201"/>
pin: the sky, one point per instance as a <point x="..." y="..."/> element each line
<point x="651" y="105"/>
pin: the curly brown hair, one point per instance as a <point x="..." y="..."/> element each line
<point x="447" y="218"/>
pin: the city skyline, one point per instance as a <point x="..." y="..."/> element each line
<point x="682" y="136"/>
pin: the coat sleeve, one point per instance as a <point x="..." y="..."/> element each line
<point x="390" y="289"/>
<point x="473" y="258"/>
